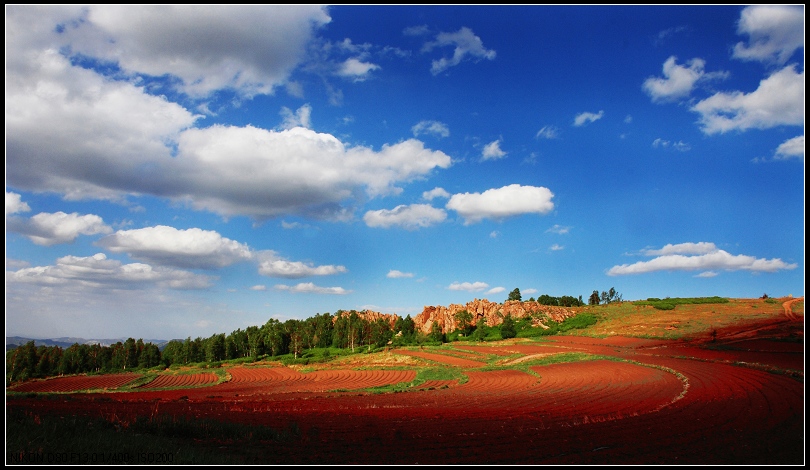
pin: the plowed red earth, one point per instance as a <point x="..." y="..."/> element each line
<point x="639" y="402"/>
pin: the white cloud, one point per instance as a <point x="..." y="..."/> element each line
<point x="529" y="291"/>
<point x="468" y="286"/>
<point x="775" y="33"/>
<point x="700" y="248"/>
<point x="272" y="266"/>
<point x="586" y="117"/>
<point x="779" y="101"/>
<point x="494" y="234"/>
<point x="434" y="193"/>
<point x="439" y="129"/>
<point x="492" y="151"/>
<point x="394" y="274"/>
<point x="466" y="44"/>
<point x="496" y="290"/>
<point x="678" y="80"/>
<point x="264" y="43"/>
<point x="97" y="272"/>
<point x="293" y="171"/>
<point x="680" y="145"/>
<point x="420" y="30"/>
<point x="700" y="257"/>
<point x="14" y="204"/>
<point x="356" y="69"/>
<point x="408" y="217"/>
<point x="791" y="148"/>
<point x="51" y="229"/>
<point x="168" y="246"/>
<point x="707" y="274"/>
<point x="548" y="132"/>
<point x="299" y="118"/>
<point x="259" y="287"/>
<point x="52" y="104"/>
<point x="502" y="202"/>
<point x="152" y="149"/>
<point x="310" y="288"/>
<point x="558" y="229"/>
<point x="556" y="247"/>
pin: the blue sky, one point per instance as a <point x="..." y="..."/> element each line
<point x="179" y="171"/>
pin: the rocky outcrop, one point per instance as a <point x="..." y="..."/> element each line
<point x="492" y="312"/>
<point x="369" y="315"/>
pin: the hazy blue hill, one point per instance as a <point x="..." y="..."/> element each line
<point x="65" y="342"/>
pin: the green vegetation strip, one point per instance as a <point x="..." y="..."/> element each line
<point x="423" y="375"/>
<point x="670" y="303"/>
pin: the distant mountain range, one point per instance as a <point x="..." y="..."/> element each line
<point x="66" y="342"/>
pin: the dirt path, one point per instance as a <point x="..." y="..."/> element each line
<point x="788" y="307"/>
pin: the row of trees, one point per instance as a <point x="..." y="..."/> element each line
<point x="345" y="330"/>
<point x="545" y="299"/>
<point x="607" y="297"/>
<point x="29" y="361"/>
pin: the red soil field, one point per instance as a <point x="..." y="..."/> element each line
<point x="638" y="401"/>
<point x="76" y="383"/>
<point x="182" y="380"/>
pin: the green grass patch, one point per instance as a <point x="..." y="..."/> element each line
<point x="580" y="321"/>
<point x="423" y="375"/>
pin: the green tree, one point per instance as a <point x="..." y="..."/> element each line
<point x="172" y="353"/>
<point x="275" y="337"/>
<point x="508" y="328"/>
<point x="215" y="348"/>
<point x="381" y="332"/>
<point x="514" y="295"/>
<point x="480" y="330"/>
<point x="594" y="298"/>
<point x="436" y="333"/>
<point x="150" y="356"/>
<point x="464" y="321"/>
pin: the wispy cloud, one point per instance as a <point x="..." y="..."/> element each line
<point x="310" y="288"/>
<point x="492" y="151"/>
<point x="299" y="118"/>
<point x="468" y="286"/>
<point x="680" y="145"/>
<point x="395" y="274"/>
<point x="466" y="46"/>
<point x="435" y="128"/>
<point x="679" y="80"/>
<point x="558" y="229"/>
<point x="434" y="193"/>
<point x="548" y="132"/>
<point x="96" y="272"/>
<point x="274" y="267"/>
<point x="409" y="217"/>
<point x="587" y="117"/>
